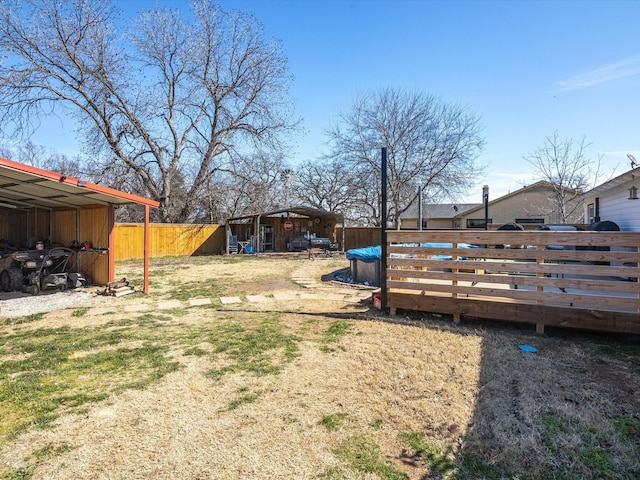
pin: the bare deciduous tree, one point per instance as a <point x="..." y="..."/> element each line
<point x="431" y="145"/>
<point x="563" y="164"/>
<point x="325" y="185"/>
<point x="168" y="102"/>
<point x="253" y="185"/>
<point x="39" y="156"/>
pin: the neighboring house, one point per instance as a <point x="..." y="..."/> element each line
<point x="615" y="200"/>
<point x="435" y="215"/>
<point x="530" y="206"/>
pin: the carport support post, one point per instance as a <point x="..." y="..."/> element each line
<point x="145" y="288"/>
<point x="111" y="273"/>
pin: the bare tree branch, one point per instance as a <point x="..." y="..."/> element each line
<point x="564" y="165"/>
<point x="173" y="101"/>
<point x="431" y="145"/>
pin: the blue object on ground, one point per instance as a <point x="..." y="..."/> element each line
<point x="528" y="348"/>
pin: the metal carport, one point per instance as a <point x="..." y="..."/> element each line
<point x="74" y="209"/>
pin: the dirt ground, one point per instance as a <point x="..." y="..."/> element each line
<point x="468" y="389"/>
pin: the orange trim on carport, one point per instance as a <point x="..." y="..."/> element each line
<point x="49" y="175"/>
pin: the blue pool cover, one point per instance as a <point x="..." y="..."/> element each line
<point x="366" y="254"/>
<point x="374" y="254"/>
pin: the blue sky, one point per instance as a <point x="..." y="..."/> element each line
<point x="527" y="68"/>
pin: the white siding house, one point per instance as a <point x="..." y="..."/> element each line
<point x="617" y="201"/>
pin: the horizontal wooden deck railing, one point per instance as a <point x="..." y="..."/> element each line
<point x="572" y="279"/>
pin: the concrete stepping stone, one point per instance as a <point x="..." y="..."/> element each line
<point x="140" y="307"/>
<point x="333" y="296"/>
<point x="310" y="296"/>
<point x="365" y="295"/>
<point x="195" y="302"/>
<point x="284" y="296"/>
<point x="169" y="304"/>
<point x="230" y="300"/>
<point x="353" y="299"/>
<point x="257" y="298"/>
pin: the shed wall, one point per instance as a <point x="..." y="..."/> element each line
<point x="94" y="228"/>
<point x="64" y="227"/>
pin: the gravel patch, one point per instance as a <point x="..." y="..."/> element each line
<point x="17" y="304"/>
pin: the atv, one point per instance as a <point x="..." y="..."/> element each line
<point x="32" y="271"/>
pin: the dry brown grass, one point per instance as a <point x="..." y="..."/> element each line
<point x="481" y="407"/>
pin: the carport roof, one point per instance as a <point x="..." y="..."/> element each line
<point x="306" y="211"/>
<point x="24" y="186"/>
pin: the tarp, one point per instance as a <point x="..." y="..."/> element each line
<point x="374" y="254"/>
<point x="365" y="254"/>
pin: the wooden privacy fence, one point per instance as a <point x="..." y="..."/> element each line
<point x="358" y="237"/>
<point x="168" y="240"/>
<point x="585" y="280"/>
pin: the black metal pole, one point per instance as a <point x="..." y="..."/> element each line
<point x="383" y="246"/>
<point x="485" y="198"/>
<point x="420" y="208"/>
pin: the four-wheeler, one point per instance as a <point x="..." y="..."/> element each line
<point x="32" y="271"/>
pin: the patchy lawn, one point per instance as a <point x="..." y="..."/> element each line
<point x="306" y="386"/>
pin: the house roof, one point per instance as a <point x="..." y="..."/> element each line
<point x="446" y="210"/>
<point x="25" y="186"/>
<point x="528" y="188"/>
<point x="439" y="210"/>
<point x="305" y="211"/>
<point x="626" y="177"/>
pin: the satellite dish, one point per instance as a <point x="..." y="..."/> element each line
<point x="634" y="162"/>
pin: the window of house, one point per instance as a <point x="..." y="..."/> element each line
<point x="476" y="222"/>
<point x="529" y="220"/>
<point x="591" y="212"/>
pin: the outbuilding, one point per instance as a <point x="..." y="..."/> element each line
<point x="289" y="229"/>
<point x="49" y="207"/>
